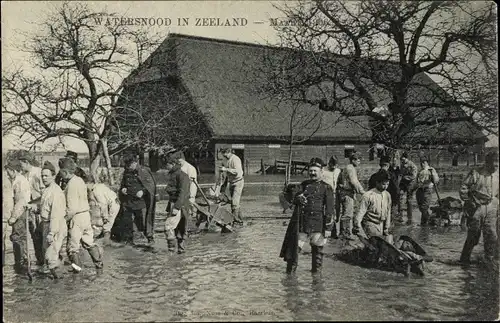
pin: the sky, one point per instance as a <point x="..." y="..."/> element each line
<point x="21" y="18"/>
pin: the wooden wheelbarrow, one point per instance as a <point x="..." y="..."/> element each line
<point x="211" y="215"/>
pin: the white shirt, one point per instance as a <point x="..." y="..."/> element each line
<point x="76" y="196"/>
<point x="191" y="172"/>
<point x="53" y="208"/>
<point x="331" y="177"/>
<point x="102" y="194"/>
<point x="21" y="194"/>
<point x="234" y="169"/>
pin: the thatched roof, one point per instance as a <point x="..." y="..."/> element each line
<point x="220" y="77"/>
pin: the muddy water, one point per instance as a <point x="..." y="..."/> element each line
<point x="239" y="277"/>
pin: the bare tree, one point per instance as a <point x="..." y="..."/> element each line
<point x="374" y="58"/>
<point x="81" y="60"/>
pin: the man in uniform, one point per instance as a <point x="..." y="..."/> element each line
<point x="53" y="224"/>
<point x="137" y="195"/>
<point x="104" y="206"/>
<point x="78" y="171"/>
<point x="234" y="174"/>
<point x="374" y="214"/>
<point x="330" y="176"/>
<point x="426" y="179"/>
<point x="34" y="176"/>
<point x="17" y="218"/>
<point x="348" y="186"/>
<point x="479" y="191"/>
<point x="178" y="205"/>
<point x="407" y="185"/>
<point x="314" y="207"/>
<point x="80" y="231"/>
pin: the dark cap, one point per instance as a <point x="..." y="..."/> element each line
<point x="171" y="159"/>
<point x="385" y="160"/>
<point x="404" y="154"/>
<point x="129" y="159"/>
<point x="177" y="155"/>
<point x="24" y="155"/>
<point x="13" y="164"/>
<point x="382" y="176"/>
<point x="316" y="162"/>
<point x="67" y="164"/>
<point x="333" y="161"/>
<point x="48" y="165"/>
<point x="71" y="154"/>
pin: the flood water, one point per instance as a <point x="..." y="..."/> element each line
<point x="239" y="277"/>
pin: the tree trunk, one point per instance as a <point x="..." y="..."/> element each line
<point x="105" y="151"/>
<point x="290" y="156"/>
<point x="95" y="158"/>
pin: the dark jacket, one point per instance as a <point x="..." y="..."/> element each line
<point x="308" y="218"/>
<point x="149" y="183"/>
<point x="178" y="188"/>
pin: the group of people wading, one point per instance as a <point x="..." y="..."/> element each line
<point x="328" y="197"/>
<point x="69" y="208"/>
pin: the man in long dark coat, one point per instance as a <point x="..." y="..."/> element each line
<point x="137" y="189"/>
<point x="314" y="207"/>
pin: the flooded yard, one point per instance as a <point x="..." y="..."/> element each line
<point x="239" y="277"/>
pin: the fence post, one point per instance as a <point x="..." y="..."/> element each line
<point x="262" y="166"/>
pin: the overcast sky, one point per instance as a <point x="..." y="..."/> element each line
<point x="20" y="18"/>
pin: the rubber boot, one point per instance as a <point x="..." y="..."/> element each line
<point x="96" y="255"/>
<point x="106" y="239"/>
<point x="236" y="219"/>
<point x="171" y="245"/>
<point x="409" y="212"/>
<point x="56" y="273"/>
<point x="467" y="250"/>
<point x="76" y="264"/>
<point x="180" y="246"/>
<point x="291" y="267"/>
<point x="316" y="259"/>
<point x="18" y="258"/>
<point x="425" y="218"/>
<point x="240" y="217"/>
<point x="346" y="229"/>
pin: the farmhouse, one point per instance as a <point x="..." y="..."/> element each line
<point x="218" y="78"/>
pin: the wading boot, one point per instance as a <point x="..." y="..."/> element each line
<point x="180" y="246"/>
<point x="18" y="259"/>
<point x="44" y="269"/>
<point x="76" y="264"/>
<point x="106" y="239"/>
<point x="171" y="245"/>
<point x="56" y="273"/>
<point x="96" y="255"/>
<point x="317" y="259"/>
<point x="424" y="219"/>
<point x="151" y="245"/>
<point x="291" y="267"/>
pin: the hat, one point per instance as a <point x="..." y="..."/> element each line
<point x="13" y="164"/>
<point x="177" y="155"/>
<point x="171" y="159"/>
<point x="25" y="155"/>
<point x="382" y="176"/>
<point x="404" y="154"/>
<point x="48" y="165"/>
<point x="316" y="162"/>
<point x="355" y="155"/>
<point x="71" y="154"/>
<point x="333" y="161"/>
<point x="385" y="160"/>
<point x="67" y="164"/>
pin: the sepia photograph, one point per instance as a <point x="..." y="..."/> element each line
<point x="237" y="160"/>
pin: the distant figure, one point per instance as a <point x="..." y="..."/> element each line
<point x="17" y="218"/>
<point x="314" y="207"/>
<point x="330" y="176"/>
<point x="78" y="171"/>
<point x="178" y="205"/>
<point x="348" y="187"/>
<point x="34" y="176"/>
<point x="53" y="224"/>
<point x="374" y="214"/>
<point x="479" y="191"/>
<point x="234" y="173"/>
<point x="426" y="179"/>
<point x="407" y="185"/>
